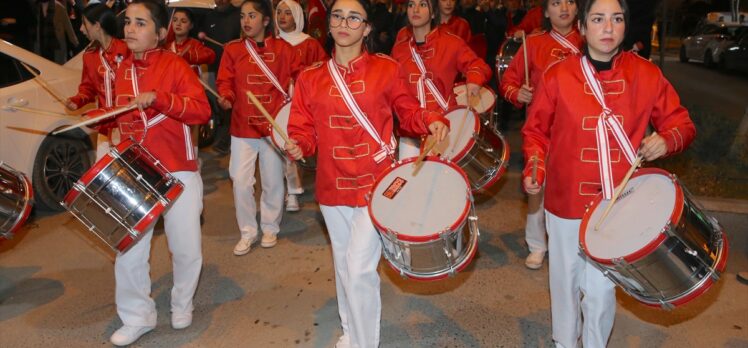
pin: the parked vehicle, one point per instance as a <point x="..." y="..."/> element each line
<point x="736" y="55"/>
<point x="710" y="38"/>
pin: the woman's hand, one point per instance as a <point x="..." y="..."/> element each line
<point x="294" y="150"/>
<point x="531" y="187"/>
<point x="439" y="130"/>
<point x="653" y="147"/>
<point x="224" y="103"/>
<point x="525" y="94"/>
<point x="144" y="100"/>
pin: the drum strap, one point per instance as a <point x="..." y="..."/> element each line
<point x="564" y="42"/>
<point x="268" y="73"/>
<point x="604" y="122"/>
<point x="350" y="102"/>
<point x="108" y="79"/>
<point x="423" y="80"/>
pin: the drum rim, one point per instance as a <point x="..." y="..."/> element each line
<point x="653" y="244"/>
<point x="273" y="132"/>
<point x="425" y="238"/>
<point x="471" y="141"/>
<point x="466" y="262"/>
<point x="502" y="167"/>
<point x="87" y="178"/>
<point x="28" y="196"/>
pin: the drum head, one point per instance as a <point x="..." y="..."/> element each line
<point x="281" y="118"/>
<point x="484" y="104"/>
<point x="463" y="125"/>
<point x="637" y="218"/>
<point x="419" y="207"/>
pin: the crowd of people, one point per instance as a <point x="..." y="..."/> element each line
<point x="349" y="101"/>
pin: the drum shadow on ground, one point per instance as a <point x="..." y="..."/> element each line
<point x="536" y="330"/>
<point x="410" y="319"/>
<point x="327" y="327"/>
<point x="683" y="313"/>
<point x="417" y="287"/>
<point x="20" y="293"/>
<point x="305" y="227"/>
<point x="213" y="291"/>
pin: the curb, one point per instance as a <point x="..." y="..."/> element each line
<point x="724" y="205"/>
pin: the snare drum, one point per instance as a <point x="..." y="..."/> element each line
<point x="485" y="103"/>
<point x="482" y="153"/>
<point x="282" y="120"/>
<point x="15" y="200"/>
<point x="427" y="222"/>
<point x="656" y="243"/>
<point x="122" y="195"/>
<point x="505" y="55"/>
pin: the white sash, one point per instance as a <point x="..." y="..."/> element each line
<point x="386" y="149"/>
<point x="260" y="63"/>
<point x="108" y="79"/>
<point x="606" y="119"/>
<point x="194" y="66"/>
<point x="564" y="42"/>
<point x="423" y="80"/>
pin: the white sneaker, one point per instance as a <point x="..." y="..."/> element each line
<point x="269" y="240"/>
<point x="181" y="321"/>
<point x="535" y="260"/>
<point x="128" y="334"/>
<point x="243" y="246"/>
<point x="292" y="203"/>
<point x="343" y="342"/>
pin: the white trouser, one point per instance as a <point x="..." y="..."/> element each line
<point x="409" y="147"/>
<point x="293" y="177"/>
<point x="244" y="155"/>
<point x="356" y="250"/>
<point x="131" y="269"/>
<point x="572" y="275"/>
<point x="535" y="225"/>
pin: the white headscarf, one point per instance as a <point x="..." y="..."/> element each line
<point x="297" y="36"/>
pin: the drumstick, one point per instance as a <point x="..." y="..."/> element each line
<point x="419" y="161"/>
<point x="211" y="90"/>
<point x="524" y="50"/>
<point x="36" y="111"/>
<point x="618" y="190"/>
<point x="96" y="119"/>
<point x="208" y="38"/>
<point x="270" y="119"/>
<point x="44" y="84"/>
<point x="535" y="168"/>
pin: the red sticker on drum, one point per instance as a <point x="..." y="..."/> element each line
<point x="394" y="187"/>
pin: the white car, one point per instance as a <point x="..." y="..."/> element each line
<point x="53" y="163"/>
<point x="710" y="39"/>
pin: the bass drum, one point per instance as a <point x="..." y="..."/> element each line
<point x="507" y="51"/>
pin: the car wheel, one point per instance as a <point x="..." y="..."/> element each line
<point x="683" y="56"/>
<point x="708" y="61"/>
<point x="59" y="163"/>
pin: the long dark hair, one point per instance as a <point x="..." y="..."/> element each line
<point x="368" y="43"/>
<point x="266" y="9"/>
<point x="102" y="14"/>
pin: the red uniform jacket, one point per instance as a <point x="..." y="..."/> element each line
<point x="310" y="51"/>
<point x="444" y="55"/>
<point x="320" y="121"/>
<point x="561" y="123"/>
<point x="532" y="20"/>
<point x="455" y="25"/>
<point x="238" y="73"/>
<point x="542" y="51"/>
<point x="193" y="51"/>
<point x="92" y="86"/>
<point x="180" y="101"/>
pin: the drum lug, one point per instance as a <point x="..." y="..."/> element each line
<point x="619" y="261"/>
<point x="666" y="306"/>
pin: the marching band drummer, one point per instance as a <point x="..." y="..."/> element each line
<point x="559" y="40"/>
<point x="342" y="110"/>
<point x="263" y="65"/>
<point x="192" y="50"/>
<point x="169" y="98"/>
<point x="99" y="64"/>
<point x="446" y="18"/>
<point x="289" y="19"/>
<point x="587" y="119"/>
<point x="432" y="60"/>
